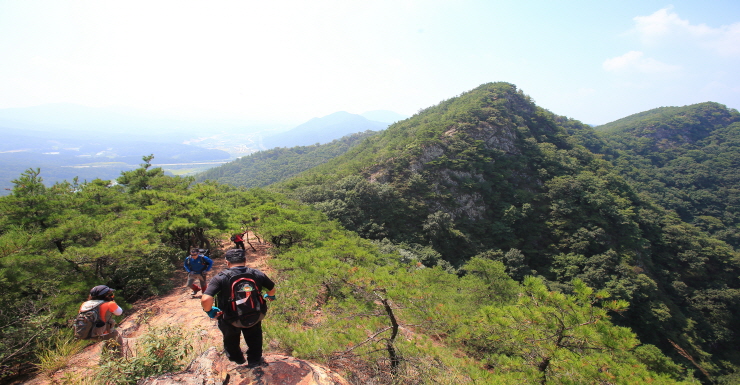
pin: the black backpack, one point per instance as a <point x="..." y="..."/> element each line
<point x="244" y="306"/>
<point x="88" y="323"/>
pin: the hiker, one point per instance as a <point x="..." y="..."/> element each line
<point x="101" y="325"/>
<point x="197" y="265"/>
<point x="238" y="240"/>
<point x="238" y="311"/>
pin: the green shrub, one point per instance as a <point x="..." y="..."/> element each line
<point x="162" y="350"/>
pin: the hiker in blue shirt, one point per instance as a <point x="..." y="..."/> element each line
<point x="197" y="265"/>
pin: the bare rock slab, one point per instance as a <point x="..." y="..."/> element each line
<point x="213" y="368"/>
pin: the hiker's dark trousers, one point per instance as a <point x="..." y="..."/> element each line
<point x="252" y="336"/>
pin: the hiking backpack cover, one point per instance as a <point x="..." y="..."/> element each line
<point x="245" y="306"/>
<point x="88" y="323"/>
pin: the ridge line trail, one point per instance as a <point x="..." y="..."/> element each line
<point x="173" y="308"/>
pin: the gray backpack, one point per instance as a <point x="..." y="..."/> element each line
<point x="88" y="324"/>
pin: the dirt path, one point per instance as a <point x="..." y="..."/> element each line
<point x="176" y="307"/>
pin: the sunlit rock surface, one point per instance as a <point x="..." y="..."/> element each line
<point x="213" y="368"/>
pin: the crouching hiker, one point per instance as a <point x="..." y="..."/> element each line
<point x="95" y="319"/>
<point x="197" y="265"/>
<point x="241" y="307"/>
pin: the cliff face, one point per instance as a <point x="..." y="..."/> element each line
<point x="496" y="138"/>
<point x="213" y="368"/>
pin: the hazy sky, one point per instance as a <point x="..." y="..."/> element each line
<point x="595" y="61"/>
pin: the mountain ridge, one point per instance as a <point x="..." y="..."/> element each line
<point x="491" y="173"/>
<point x="263" y="168"/>
<point x="667" y="127"/>
<point x="685" y="160"/>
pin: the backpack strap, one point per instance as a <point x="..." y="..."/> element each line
<point x="225" y="275"/>
<point x="202" y="262"/>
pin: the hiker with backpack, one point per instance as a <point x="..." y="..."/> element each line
<point x="95" y="319"/>
<point x="241" y="307"/>
<point x="238" y="240"/>
<point x="197" y="265"/>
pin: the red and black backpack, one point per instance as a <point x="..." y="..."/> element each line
<point x="243" y="306"/>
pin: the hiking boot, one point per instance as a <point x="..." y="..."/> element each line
<point x="257" y="364"/>
<point x="238" y="361"/>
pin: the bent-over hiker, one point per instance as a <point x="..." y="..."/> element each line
<point x="197" y="265"/>
<point x="95" y="319"/>
<point x="241" y="307"/>
<point x="238" y="240"/>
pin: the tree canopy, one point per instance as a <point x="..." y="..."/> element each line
<point x="490" y="173"/>
<point x="385" y="310"/>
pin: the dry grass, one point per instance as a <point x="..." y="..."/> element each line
<point x="58" y="351"/>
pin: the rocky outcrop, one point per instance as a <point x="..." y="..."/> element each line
<point x="213" y="368"/>
<point x="467" y="205"/>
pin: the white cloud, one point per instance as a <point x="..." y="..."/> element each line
<point x="634" y="61"/>
<point x="728" y="41"/>
<point x="666" y="25"/>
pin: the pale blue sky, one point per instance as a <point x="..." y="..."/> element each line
<point x="289" y="61"/>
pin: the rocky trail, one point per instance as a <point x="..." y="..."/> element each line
<point x="211" y="366"/>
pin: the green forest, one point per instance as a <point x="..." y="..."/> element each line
<point x="483" y="240"/>
<point x="264" y="168"/>
<point x="491" y="174"/>
<point x="686" y="159"/>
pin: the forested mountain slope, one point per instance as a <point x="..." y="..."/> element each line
<point x="686" y="158"/>
<point x="491" y="174"/>
<point x="277" y="164"/>
<point x="370" y="310"/>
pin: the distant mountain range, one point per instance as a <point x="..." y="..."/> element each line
<point x="76" y="121"/>
<point x="117" y="123"/>
<point x="67" y="140"/>
<point x="325" y="129"/>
